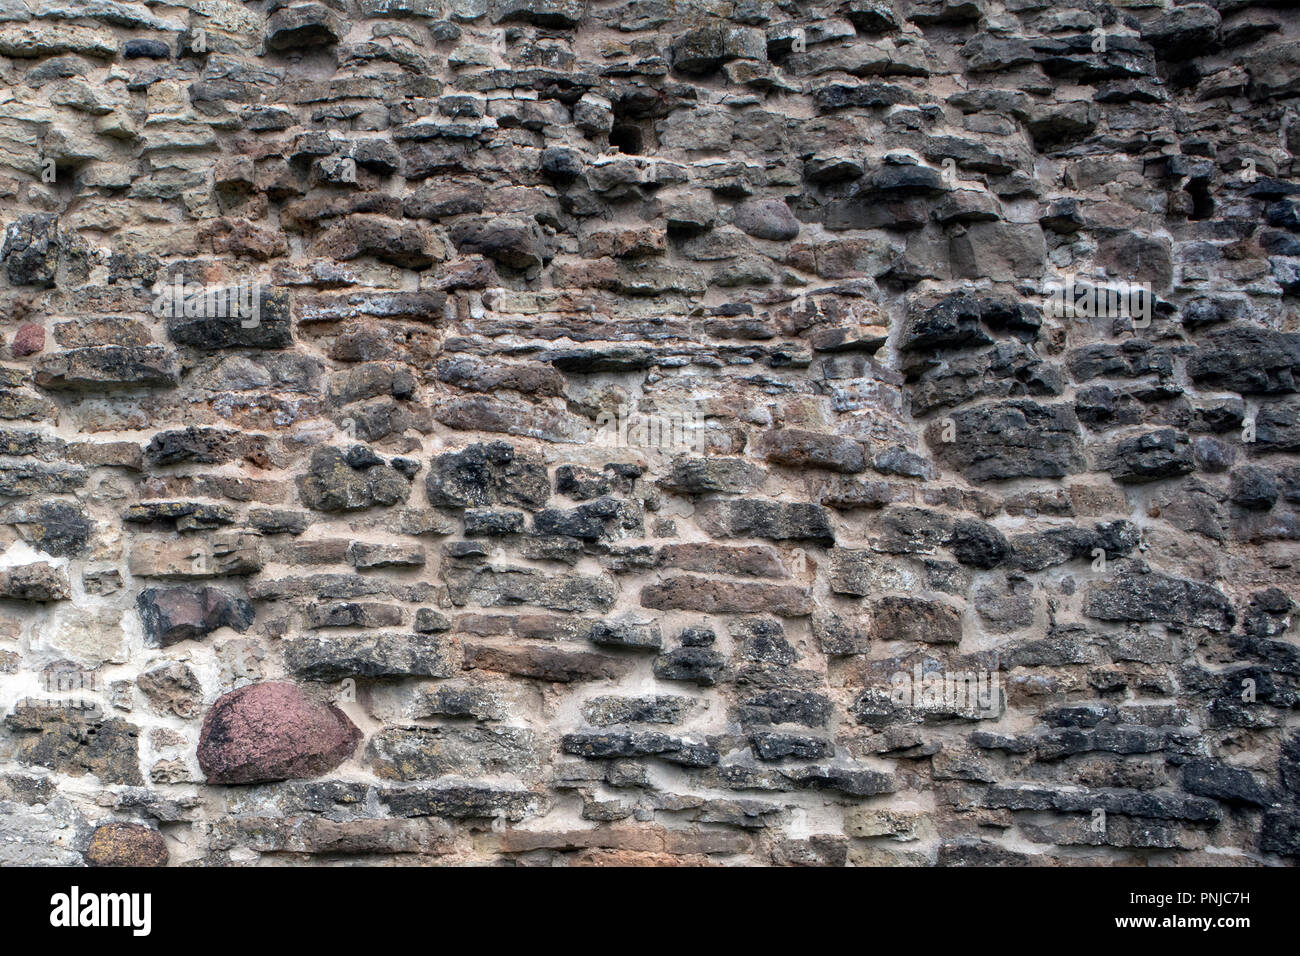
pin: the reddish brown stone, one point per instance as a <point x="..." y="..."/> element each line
<point x="544" y="663"/>
<point x="266" y="732"/>
<point x="709" y="596"/>
<point x="800" y="448"/>
<point x="241" y="238"/>
<point x="613" y="838"/>
<point x="126" y="844"/>
<point x="915" y="619"/>
<point x="28" y="340"/>
<point x="759" y="560"/>
<point x="171" y="615"/>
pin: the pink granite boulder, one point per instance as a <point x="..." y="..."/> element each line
<point x="273" y="731"/>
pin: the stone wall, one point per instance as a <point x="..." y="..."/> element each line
<point x="649" y="431"/>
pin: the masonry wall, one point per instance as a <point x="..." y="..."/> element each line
<point x="650" y="432"/>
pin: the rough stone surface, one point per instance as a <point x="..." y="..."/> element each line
<point x="177" y="614"/>
<point x="126" y="844"/>
<point x="550" y="432"/>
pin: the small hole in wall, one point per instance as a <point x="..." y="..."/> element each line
<point x="626" y="138"/>
<point x="1202" y="201"/>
